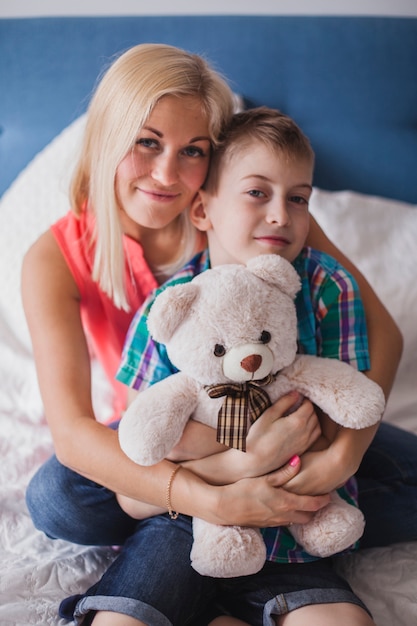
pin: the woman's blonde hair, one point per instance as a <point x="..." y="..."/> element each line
<point x="122" y="102"/>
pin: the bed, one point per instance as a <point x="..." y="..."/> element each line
<point x="351" y="83"/>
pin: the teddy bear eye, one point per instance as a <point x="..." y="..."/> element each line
<point x="265" y="336"/>
<point x="219" y="350"/>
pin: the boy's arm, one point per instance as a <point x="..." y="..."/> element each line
<point x="325" y="470"/>
<point x="385" y="349"/>
<point x="384" y="337"/>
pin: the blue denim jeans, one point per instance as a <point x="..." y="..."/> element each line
<point x="67" y="506"/>
<point x="387" y="483"/>
<point x="152" y="580"/>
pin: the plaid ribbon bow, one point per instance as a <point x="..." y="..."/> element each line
<point x="243" y="404"/>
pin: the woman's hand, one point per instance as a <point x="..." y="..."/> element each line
<point x="262" y="502"/>
<point x="318" y="474"/>
<point x="329" y="468"/>
<point x="251" y="502"/>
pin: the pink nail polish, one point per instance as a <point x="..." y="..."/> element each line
<point x="294" y="460"/>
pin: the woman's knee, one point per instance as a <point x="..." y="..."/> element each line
<point x="45" y="496"/>
<point x="65" y="505"/>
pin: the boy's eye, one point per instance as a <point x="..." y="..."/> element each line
<point x="298" y="200"/>
<point x="219" y="350"/>
<point x="194" y="151"/>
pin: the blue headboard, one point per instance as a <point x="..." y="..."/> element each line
<point x="351" y="83"/>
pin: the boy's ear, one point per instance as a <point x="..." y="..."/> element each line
<point x="198" y="215"/>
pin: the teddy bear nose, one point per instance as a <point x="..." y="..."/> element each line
<point x="251" y="363"/>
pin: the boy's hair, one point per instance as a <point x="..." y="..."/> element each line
<point x="269" y="126"/>
<point x="121" y="104"/>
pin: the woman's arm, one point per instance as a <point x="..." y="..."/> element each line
<point x="51" y="302"/>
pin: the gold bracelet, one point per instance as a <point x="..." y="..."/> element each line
<point x="172" y="514"/>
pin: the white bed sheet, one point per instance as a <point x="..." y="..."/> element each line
<point x="37" y="573"/>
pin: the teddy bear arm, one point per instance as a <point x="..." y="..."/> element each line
<point x="342" y="392"/>
<point x="154" y="422"/>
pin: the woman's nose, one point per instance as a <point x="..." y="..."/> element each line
<point x="165" y="169"/>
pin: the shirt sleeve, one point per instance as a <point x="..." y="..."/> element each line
<point x="339" y="327"/>
<point x="144" y="361"/>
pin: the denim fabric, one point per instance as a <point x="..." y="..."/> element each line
<point x="65" y="505"/>
<point x="152" y="580"/>
<point x="387" y="482"/>
<point x="283" y="587"/>
<point x="155" y="557"/>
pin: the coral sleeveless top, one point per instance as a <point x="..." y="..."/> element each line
<point x="105" y="325"/>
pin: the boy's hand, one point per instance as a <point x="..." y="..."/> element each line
<point x="280" y="434"/>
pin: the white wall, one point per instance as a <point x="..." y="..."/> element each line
<point x="34" y="8"/>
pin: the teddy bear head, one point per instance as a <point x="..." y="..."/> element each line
<point x="231" y="323"/>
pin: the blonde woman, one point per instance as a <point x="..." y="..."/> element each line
<point x="151" y="124"/>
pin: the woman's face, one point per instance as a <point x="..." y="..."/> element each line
<point x="159" y="177"/>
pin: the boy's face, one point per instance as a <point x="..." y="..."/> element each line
<point x="261" y="206"/>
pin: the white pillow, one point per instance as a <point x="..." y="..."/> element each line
<point x="380" y="237"/>
<point x="37" y="198"/>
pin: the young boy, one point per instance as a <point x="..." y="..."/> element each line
<point x="255" y="201"/>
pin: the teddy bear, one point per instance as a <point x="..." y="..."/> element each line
<point x="232" y="334"/>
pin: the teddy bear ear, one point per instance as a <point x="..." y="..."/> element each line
<point x="277" y="271"/>
<point x="169" y="309"/>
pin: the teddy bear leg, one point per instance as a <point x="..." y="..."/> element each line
<point x="332" y="529"/>
<point x="226" y="551"/>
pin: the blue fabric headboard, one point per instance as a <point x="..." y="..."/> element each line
<point x="351" y="83"/>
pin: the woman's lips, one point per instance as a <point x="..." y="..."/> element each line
<point x="161" y="196"/>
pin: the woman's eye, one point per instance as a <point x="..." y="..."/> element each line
<point x="265" y="336"/>
<point x="146" y="142"/>
<point x="219" y="350"/>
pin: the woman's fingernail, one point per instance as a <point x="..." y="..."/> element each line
<point x="294" y="460"/>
